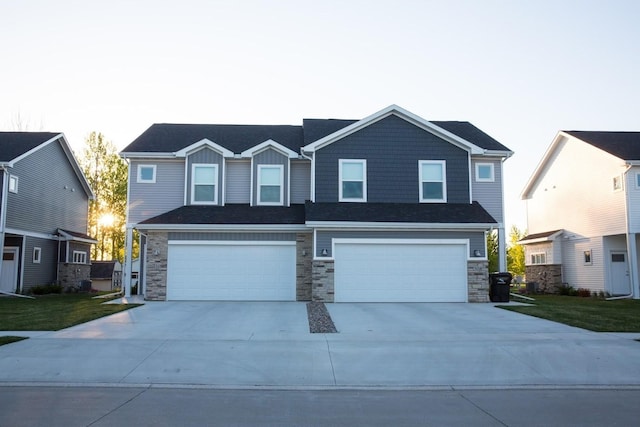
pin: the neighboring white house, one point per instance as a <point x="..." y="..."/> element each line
<point x="583" y="213"/>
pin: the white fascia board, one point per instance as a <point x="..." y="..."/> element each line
<point x="270" y="143"/>
<point x="497" y="153"/>
<point x="345" y="225"/>
<point x="222" y="227"/>
<point x="34" y="149"/>
<point x="403" y="114"/>
<point x="204" y="143"/>
<point x="69" y="237"/>
<point x="31" y="234"/>
<point x="146" y="155"/>
<point x="232" y="242"/>
<point x="549" y="238"/>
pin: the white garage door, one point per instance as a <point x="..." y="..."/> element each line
<point x="400" y="271"/>
<point x="231" y="271"/>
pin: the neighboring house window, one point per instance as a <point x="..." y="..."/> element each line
<point x="204" y="184"/>
<point x="147" y="174"/>
<point x="270" y="188"/>
<point x="13" y="183"/>
<point x="638" y="180"/>
<point x="484" y="172"/>
<point x="587" y="258"/>
<point x="539" y="258"/>
<point x="79" y="257"/>
<point x="433" y="185"/>
<point x="617" y="183"/>
<point x="353" y="180"/>
<point x="37" y="254"/>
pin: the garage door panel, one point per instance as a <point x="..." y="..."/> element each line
<point x="400" y="272"/>
<point x="264" y="272"/>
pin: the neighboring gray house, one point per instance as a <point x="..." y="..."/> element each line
<point x="583" y="213"/>
<point x="44" y="201"/>
<point x="388" y="208"/>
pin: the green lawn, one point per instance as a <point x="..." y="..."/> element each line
<point x="53" y="312"/>
<point x="588" y="313"/>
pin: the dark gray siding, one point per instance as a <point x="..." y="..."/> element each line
<point x="191" y="235"/>
<point x="270" y="157"/>
<point x="238" y="182"/>
<point x="324" y="238"/>
<point x="489" y="194"/>
<point x="208" y="156"/>
<point x="1" y="189"/>
<point x="50" y="195"/>
<point x="45" y="272"/>
<point x="300" y="181"/>
<point x="149" y="200"/>
<point x="392" y="148"/>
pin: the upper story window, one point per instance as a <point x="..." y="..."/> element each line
<point x="13" y="184"/>
<point x="204" y="184"/>
<point x="638" y="180"/>
<point x="539" y="258"/>
<point x="37" y="255"/>
<point x="147" y="174"/>
<point x="79" y="257"/>
<point x="352" y="180"/>
<point x="484" y="172"/>
<point x="270" y="184"/>
<point x="433" y="183"/>
<point x="617" y="183"/>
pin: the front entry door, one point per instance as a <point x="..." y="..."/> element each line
<point x="619" y="268"/>
<point x="9" y="273"/>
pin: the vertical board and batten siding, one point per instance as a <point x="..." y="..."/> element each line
<point x="42" y="203"/>
<point x="271" y="157"/>
<point x="576" y="192"/>
<point x="488" y="194"/>
<point x="633" y="195"/>
<point x="237" y="237"/>
<point x="45" y="272"/>
<point x="238" y="182"/>
<point x="149" y="200"/>
<point x="392" y="148"/>
<point x="574" y="270"/>
<point x="324" y="238"/>
<point x="207" y="156"/>
<point x="300" y="181"/>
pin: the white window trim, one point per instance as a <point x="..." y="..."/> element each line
<point x="280" y="201"/>
<point x="146" y="181"/>
<point x="37" y="255"/>
<point x="364" y="180"/>
<point x="542" y="258"/>
<point x="214" y="183"/>
<point x="81" y="255"/>
<point x="13" y="188"/>
<point x="637" y="180"/>
<point x="444" y="180"/>
<point x="584" y="257"/>
<point x="620" y="181"/>
<point x="492" y="178"/>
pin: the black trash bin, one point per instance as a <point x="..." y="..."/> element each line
<point x="499" y="286"/>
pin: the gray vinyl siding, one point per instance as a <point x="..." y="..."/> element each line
<point x="271" y="157"/>
<point x="191" y="235"/>
<point x="300" y="181"/>
<point x="238" y="182"/>
<point x="392" y="148"/>
<point x="324" y="238"/>
<point x="50" y="195"/>
<point x="489" y="194"/>
<point x="149" y="200"/>
<point x="207" y="156"/>
<point x="45" y="272"/>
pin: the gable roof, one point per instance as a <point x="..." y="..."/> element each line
<point x="103" y="269"/>
<point x="540" y="237"/>
<point x="14" y="146"/>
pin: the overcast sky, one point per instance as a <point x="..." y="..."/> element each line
<point x="520" y="71"/>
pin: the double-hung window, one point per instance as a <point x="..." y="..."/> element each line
<point x="433" y="181"/>
<point x="270" y="184"/>
<point x="353" y="180"/>
<point x="204" y="184"/>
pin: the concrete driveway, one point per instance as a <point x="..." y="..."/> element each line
<point x="256" y="344"/>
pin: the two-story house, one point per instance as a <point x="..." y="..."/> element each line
<point x="583" y="213"/>
<point x="388" y="208"/>
<point x="44" y="202"/>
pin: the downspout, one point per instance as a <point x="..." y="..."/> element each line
<point x="631" y="246"/>
<point x="313" y="175"/>
<point x="3" y="209"/>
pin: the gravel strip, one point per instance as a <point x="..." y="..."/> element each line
<point x="319" y="319"/>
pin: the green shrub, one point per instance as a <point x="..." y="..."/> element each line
<point x="46" y="289"/>
<point x="567" y="289"/>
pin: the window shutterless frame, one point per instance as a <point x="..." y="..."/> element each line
<point x="270" y="185"/>
<point x="352" y="180"/>
<point x="204" y="184"/>
<point x="485" y="172"/>
<point x="146" y="174"/>
<point x="433" y="181"/>
<point x="13" y="184"/>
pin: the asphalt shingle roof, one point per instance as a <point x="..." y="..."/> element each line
<point x="231" y="214"/>
<point x="15" y="144"/>
<point x="102" y="269"/>
<point x="625" y="145"/>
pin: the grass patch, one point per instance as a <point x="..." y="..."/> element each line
<point x="10" y="339"/>
<point x="593" y="314"/>
<point x="53" y="312"/>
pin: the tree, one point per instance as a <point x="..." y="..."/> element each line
<point x="492" y="250"/>
<point x="515" y="252"/>
<point x="107" y="174"/>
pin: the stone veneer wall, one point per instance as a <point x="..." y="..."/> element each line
<point x="478" y="281"/>
<point x="322" y="281"/>
<point x="548" y="277"/>
<point x="304" y="258"/>
<point x="70" y="275"/>
<point x="156" y="273"/>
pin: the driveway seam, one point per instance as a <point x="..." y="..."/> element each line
<point x="144" y="360"/>
<point x="481" y="409"/>
<point x="333" y="371"/>
<point x="117" y="408"/>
